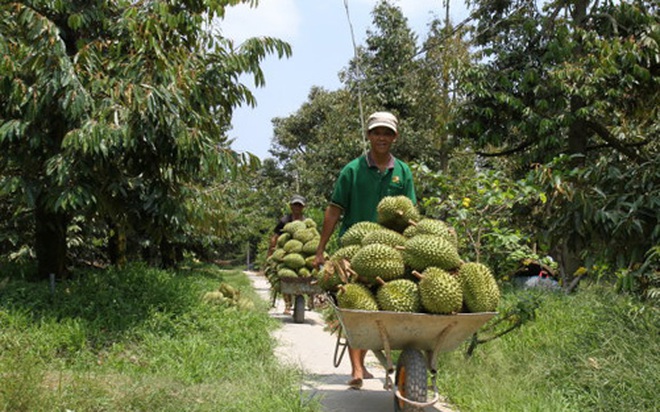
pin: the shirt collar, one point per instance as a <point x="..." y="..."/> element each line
<point x="372" y="163"/>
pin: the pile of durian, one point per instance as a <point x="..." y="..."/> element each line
<point x="406" y="262"/>
<point x="293" y="256"/>
<point x="227" y="295"/>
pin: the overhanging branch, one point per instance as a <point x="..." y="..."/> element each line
<point x="605" y="134"/>
<point x="524" y="145"/>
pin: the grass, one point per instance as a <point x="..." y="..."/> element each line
<point x="139" y="339"/>
<point x="590" y="351"/>
<point x="142" y="339"/>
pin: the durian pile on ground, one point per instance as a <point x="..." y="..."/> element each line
<point x="406" y="263"/>
<point x="227" y="295"/>
<point x="293" y="256"/>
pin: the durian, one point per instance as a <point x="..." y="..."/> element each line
<point x="399" y="295"/>
<point x="480" y="290"/>
<point x="439" y="291"/>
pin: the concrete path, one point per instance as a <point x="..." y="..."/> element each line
<point x="311" y="349"/>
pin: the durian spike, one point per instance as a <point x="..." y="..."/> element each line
<point x="380" y="280"/>
<point x="417" y="274"/>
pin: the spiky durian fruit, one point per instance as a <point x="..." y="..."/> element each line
<point x="355" y="233"/>
<point x="294" y="261"/>
<point x="428" y="226"/>
<point x="440" y="292"/>
<point x="376" y="260"/>
<point x="396" y="212"/>
<point x="278" y="254"/>
<point x="384" y="236"/>
<point x="283" y="238"/>
<point x="346" y="252"/>
<point x="480" y="290"/>
<point x="293" y="246"/>
<point x="294" y="226"/>
<point x="356" y="296"/>
<point x="306" y="234"/>
<point x="329" y="277"/>
<point x="309" y="248"/>
<point x="285" y="272"/>
<point x="399" y="295"/>
<point x="309" y="222"/>
<point x="422" y="251"/>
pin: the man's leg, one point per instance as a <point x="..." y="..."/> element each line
<point x="358" y="369"/>
<point x="287" y="304"/>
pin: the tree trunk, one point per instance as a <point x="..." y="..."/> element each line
<point x="167" y="253"/>
<point x="578" y="137"/>
<point x="50" y="242"/>
<point x="117" y="243"/>
<point x="578" y="133"/>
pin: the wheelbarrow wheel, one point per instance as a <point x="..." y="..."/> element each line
<point x="410" y="380"/>
<point x="299" y="309"/>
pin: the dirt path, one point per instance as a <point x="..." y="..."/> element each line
<point x="307" y="346"/>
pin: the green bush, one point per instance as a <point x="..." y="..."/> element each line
<point x="591" y="351"/>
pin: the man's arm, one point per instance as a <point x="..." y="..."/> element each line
<point x="330" y="219"/>
<point x="273" y="243"/>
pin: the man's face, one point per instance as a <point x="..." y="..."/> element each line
<point x="297" y="207"/>
<point x="381" y="139"/>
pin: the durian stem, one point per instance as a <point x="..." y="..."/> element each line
<point x="342" y="274"/>
<point x="380" y="280"/>
<point x="417" y="274"/>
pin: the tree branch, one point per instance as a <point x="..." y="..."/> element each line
<point x="524" y="145"/>
<point x="605" y="134"/>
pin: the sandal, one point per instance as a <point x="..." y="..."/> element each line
<point x="355" y="383"/>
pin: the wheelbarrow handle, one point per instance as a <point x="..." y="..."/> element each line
<point x="339" y="353"/>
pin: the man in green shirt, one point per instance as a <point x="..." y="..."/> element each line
<point x="361" y="184"/>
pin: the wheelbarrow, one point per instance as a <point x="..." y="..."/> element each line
<point x="421" y="337"/>
<point x="298" y="288"/>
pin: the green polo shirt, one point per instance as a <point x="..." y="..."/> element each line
<point x="361" y="185"/>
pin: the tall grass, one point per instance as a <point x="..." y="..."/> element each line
<point x="139" y="339"/>
<point x="590" y="351"/>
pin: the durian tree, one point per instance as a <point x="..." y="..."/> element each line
<point x="118" y="111"/>
<point x="569" y="91"/>
<point x="392" y="72"/>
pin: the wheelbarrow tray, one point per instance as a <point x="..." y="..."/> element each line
<point x="373" y="330"/>
<point x="299" y="286"/>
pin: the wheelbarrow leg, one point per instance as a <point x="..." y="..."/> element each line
<point x="299" y="309"/>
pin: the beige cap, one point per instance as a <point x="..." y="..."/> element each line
<point x="297" y="199"/>
<point x="383" y="119"/>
